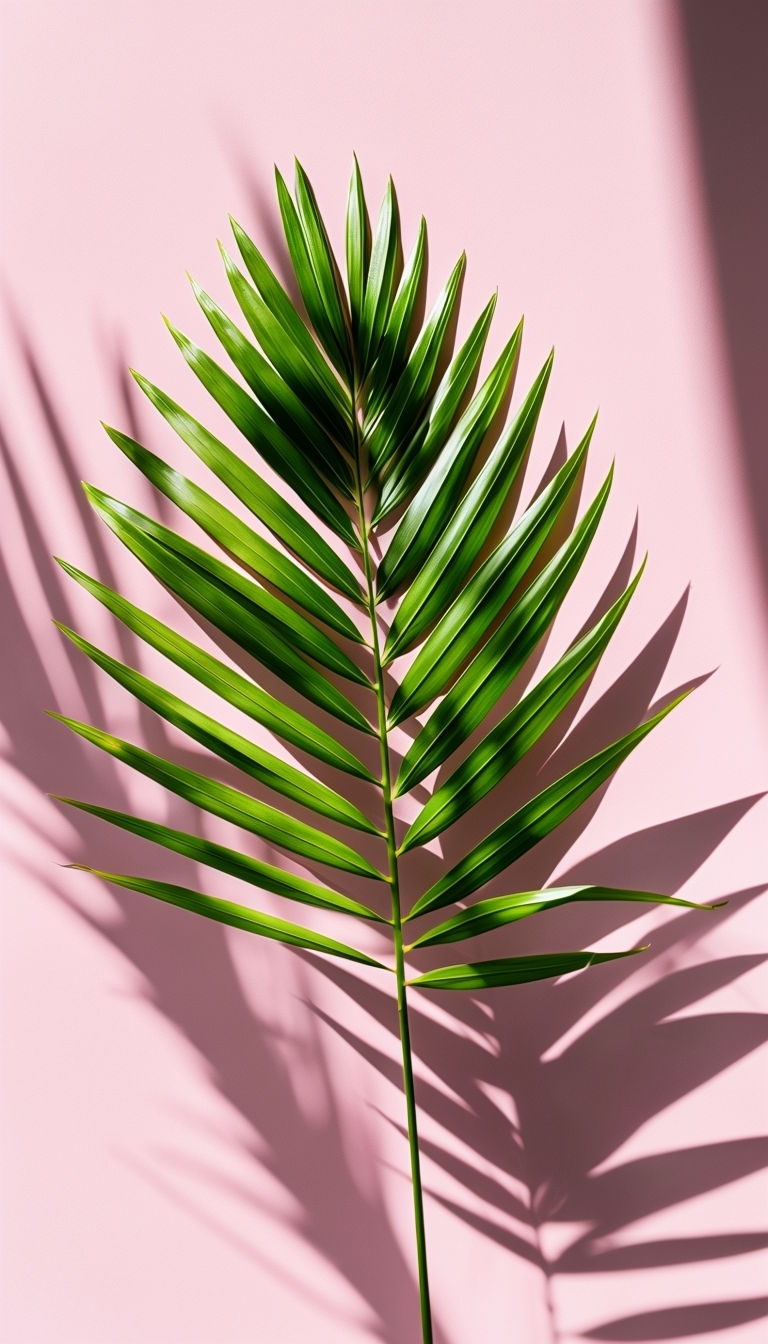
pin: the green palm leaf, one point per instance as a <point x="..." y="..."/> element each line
<point x="232" y="747"/>
<point x="237" y="916"/>
<point x="484" y="916"/>
<point x="430" y="437"/>
<point x="515" y="970"/>
<point x="238" y="690"/>
<point x="231" y="804"/>
<point x="231" y="861"/>
<point x="361" y="411"/>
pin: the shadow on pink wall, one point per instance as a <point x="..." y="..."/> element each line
<point x="725" y="48"/>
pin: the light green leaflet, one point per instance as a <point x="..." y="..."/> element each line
<point x="484" y="916"/>
<point x="225" y="860"/>
<point x="380" y="453"/>
<point x="515" y="970"/>
<point x="237" y="916"/>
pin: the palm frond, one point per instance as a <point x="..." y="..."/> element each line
<point x="362" y="412"/>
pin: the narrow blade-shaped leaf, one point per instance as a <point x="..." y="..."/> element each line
<point x="150" y="541"/>
<point x="430" y="438"/>
<point x="358" y="246"/>
<point x="229" y="746"/>
<point x="267" y="438"/>
<point x="509" y="740"/>
<point x="393" y="350"/>
<point x="434" y="503"/>
<point x="531" y="822"/>
<point x="485" y="916"/>
<point x="390" y="429"/>
<point x="221" y="601"/>
<point x="515" y="970"/>
<point x="462" y="538"/>
<point x="230" y="804"/>
<point x="264" y="502"/>
<point x="499" y="660"/>
<point x="321" y="254"/>
<point x="231" y="861"/>
<point x="225" y="681"/>
<point x="380" y="279"/>
<point x="286" y="340"/>
<point x="309" y="285"/>
<point x="237" y="916"/>
<point x="281" y="306"/>
<point x="278" y="399"/>
<point x="236" y="538"/>
<point x="469" y="618"/>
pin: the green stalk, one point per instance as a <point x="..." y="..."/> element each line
<point x="402" y="1003"/>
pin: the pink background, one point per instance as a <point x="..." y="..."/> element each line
<point x="201" y="1138"/>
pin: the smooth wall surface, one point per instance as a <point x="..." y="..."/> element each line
<point x="201" y="1139"/>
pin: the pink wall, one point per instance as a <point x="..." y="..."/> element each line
<point x="200" y="1140"/>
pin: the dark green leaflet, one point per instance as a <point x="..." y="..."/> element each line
<point x="532" y="822"/>
<point x="264" y="502"/>
<point x="324" y="263"/>
<point x="385" y="433"/>
<point x="286" y="341"/>
<point x="228" y="683"/>
<point x="430" y="439"/>
<point x="237" y="916"/>
<point x="237" y="539"/>
<point x="393" y="350"/>
<point x="230" y="861"/>
<point x="229" y="746"/>
<point x="230" y="804"/>
<point x="358" y="247"/>
<point x="467" y="620"/>
<point x="149" y="539"/>
<point x="285" y="407"/>
<point x="434" y="504"/>
<point x="491" y="671"/>
<point x="219" y="599"/>
<point x="463" y="536"/>
<point x="519" y="730"/>
<point x="280" y="308"/>
<point x="267" y="438"/>
<point x="379" y="280"/>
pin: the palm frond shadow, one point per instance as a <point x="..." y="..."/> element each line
<point x="317" y="1174"/>
<point x="525" y="1178"/>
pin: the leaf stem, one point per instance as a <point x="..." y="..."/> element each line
<point x="402" y="1002"/>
